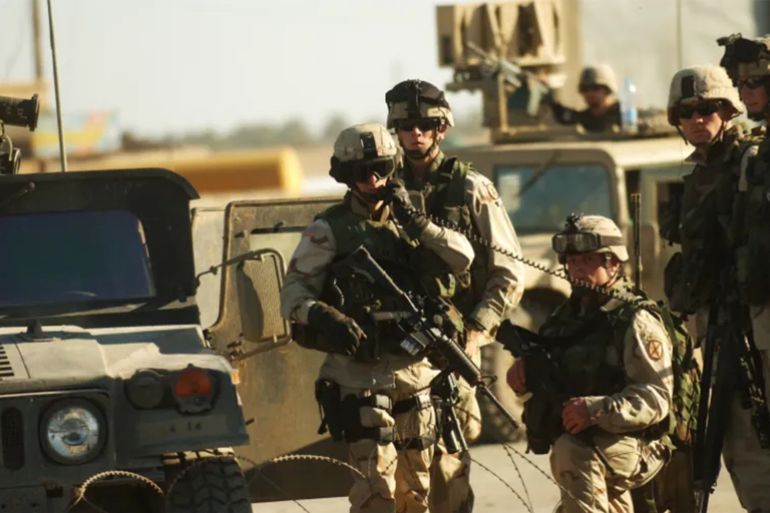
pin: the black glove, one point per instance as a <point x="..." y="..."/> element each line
<point x="337" y="333"/>
<point x="413" y="221"/>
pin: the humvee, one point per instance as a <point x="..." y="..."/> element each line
<point x="105" y="375"/>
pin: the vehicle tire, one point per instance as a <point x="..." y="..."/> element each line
<point x="206" y="482"/>
<point x="495" y="361"/>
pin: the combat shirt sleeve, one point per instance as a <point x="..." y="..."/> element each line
<point x="307" y="270"/>
<point x="646" y="398"/>
<point x="505" y="282"/>
<point x="451" y="246"/>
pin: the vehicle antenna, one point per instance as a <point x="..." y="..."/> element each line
<point x="62" y="153"/>
<point x="636" y="202"/>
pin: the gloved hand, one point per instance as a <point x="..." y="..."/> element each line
<point x="338" y="333"/>
<point x="413" y="221"/>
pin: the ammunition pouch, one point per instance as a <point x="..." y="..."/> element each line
<point x="687" y="284"/>
<point x="341" y="417"/>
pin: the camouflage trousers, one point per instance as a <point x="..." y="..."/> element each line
<point x="747" y="462"/>
<point x="450" y="486"/>
<point x="591" y="485"/>
<point x="397" y="475"/>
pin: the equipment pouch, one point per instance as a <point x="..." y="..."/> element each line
<point x="327" y="393"/>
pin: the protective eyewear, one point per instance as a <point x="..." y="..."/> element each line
<point x="582" y="242"/>
<point x="703" y="109"/>
<point x="591" y="87"/>
<point x="381" y="168"/>
<point x="422" y="124"/>
<point x="751" y="82"/>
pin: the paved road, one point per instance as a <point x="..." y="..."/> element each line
<point x="492" y="495"/>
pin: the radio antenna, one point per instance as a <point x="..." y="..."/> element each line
<point x="62" y="153"/>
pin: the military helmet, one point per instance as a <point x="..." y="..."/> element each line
<point x="417" y="99"/>
<point x="697" y="83"/>
<point x="599" y="75"/>
<point x="363" y="150"/>
<point x="745" y="57"/>
<point x="589" y="234"/>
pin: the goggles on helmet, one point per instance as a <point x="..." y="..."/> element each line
<point x="583" y="242"/>
<point x="751" y="82"/>
<point x="361" y="170"/>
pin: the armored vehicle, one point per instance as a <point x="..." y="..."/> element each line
<point x="109" y="393"/>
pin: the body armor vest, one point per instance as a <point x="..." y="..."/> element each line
<point x="751" y="227"/>
<point x="706" y="227"/>
<point x="353" y="294"/>
<point x="444" y="194"/>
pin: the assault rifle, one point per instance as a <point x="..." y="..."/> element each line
<point x="430" y="331"/>
<point x="730" y="340"/>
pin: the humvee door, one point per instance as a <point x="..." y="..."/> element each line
<point x="277" y="377"/>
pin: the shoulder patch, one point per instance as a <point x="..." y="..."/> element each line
<point x="654" y="349"/>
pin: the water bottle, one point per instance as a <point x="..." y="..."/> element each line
<point x="628" y="114"/>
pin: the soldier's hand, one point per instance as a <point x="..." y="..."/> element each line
<point x="413" y="221"/>
<point x="575" y="416"/>
<point x="516" y="377"/>
<point x="338" y="332"/>
<point x="473" y="340"/>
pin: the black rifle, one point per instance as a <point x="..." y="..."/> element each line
<point x="730" y="364"/>
<point x="429" y="330"/>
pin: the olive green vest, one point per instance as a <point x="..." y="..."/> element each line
<point x="706" y="226"/>
<point x="751" y="228"/>
<point x="354" y="295"/>
<point x="444" y="194"/>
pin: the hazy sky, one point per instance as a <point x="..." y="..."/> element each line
<point x="181" y="65"/>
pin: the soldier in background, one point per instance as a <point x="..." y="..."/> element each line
<point x="452" y="190"/>
<point x="599" y="88"/>
<point x="372" y="393"/>
<point x="615" y="357"/>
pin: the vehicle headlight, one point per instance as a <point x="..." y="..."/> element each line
<point x="72" y="431"/>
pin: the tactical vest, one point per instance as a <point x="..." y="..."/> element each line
<point x="584" y="356"/>
<point x="444" y="196"/>
<point x="705" y="225"/>
<point x="751" y="227"/>
<point x="354" y="295"/>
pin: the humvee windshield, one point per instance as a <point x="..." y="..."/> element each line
<point x="539" y="198"/>
<point x="73" y="257"/>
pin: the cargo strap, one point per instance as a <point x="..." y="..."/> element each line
<point x="418" y="443"/>
<point x="417" y="402"/>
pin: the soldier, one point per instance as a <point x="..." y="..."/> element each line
<point x="372" y="393"/>
<point x="614" y="358"/>
<point x="598" y="88"/>
<point x="722" y="224"/>
<point x="452" y="190"/>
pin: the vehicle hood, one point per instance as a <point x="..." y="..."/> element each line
<point x="69" y="357"/>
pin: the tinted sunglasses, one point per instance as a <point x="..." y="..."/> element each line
<point x="703" y="109"/>
<point x="381" y="168"/>
<point x="751" y="82"/>
<point x="423" y="125"/>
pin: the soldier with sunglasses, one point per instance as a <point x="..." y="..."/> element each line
<point x="598" y="87"/>
<point x="452" y="190"/>
<point x="373" y="394"/>
<point x="747" y="61"/>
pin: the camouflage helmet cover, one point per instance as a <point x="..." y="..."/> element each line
<point x="599" y="75"/>
<point x="745" y="57"/>
<point x="417" y="99"/>
<point x="362" y="144"/>
<point x="603" y="227"/>
<point x="698" y="83"/>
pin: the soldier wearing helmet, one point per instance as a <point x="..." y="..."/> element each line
<point x="599" y="89"/>
<point x="374" y="395"/>
<point x="452" y="190"/>
<point x="613" y="359"/>
<point x="747" y="61"/>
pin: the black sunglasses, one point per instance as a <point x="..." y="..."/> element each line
<point x="751" y="82"/>
<point x="423" y="125"/>
<point x="381" y="168"/>
<point x="703" y="109"/>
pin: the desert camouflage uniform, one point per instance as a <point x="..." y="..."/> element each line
<point x="397" y="478"/>
<point x="590" y="484"/>
<point x="497" y="283"/>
